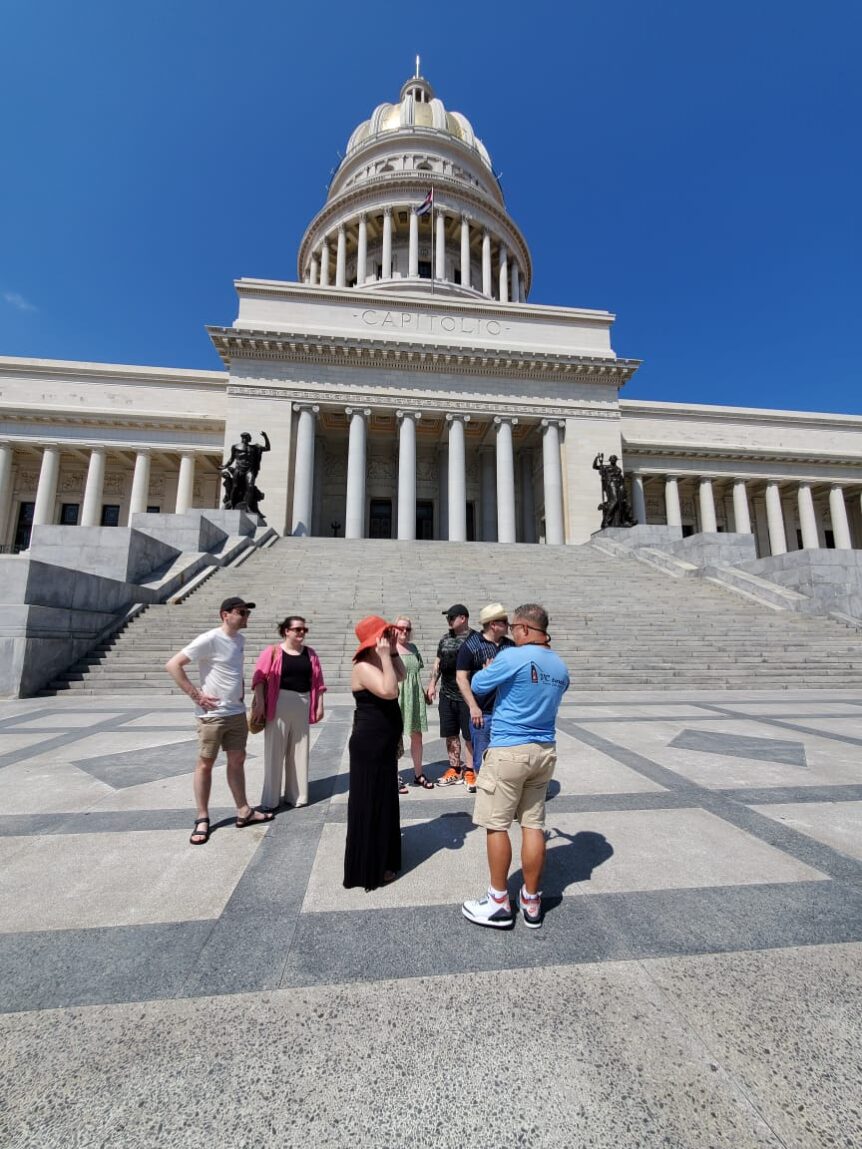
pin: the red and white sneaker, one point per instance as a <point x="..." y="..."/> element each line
<point x="530" y="906"/>
<point x="489" y="911"/>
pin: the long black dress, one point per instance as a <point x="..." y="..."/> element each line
<point x="373" y="816"/>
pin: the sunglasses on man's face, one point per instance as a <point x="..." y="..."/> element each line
<point x="241" y="610"/>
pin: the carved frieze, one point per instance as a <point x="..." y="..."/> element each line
<point x="114" y="484"/>
<point x="71" y="482"/>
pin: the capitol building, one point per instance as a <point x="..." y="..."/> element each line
<point x="411" y="390"/>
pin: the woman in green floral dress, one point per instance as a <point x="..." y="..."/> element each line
<point x="411" y="698"/>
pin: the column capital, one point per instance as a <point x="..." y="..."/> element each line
<point x="366" y="411"/>
<point x="561" y="423"/>
<point x="387" y="211"/>
<point x="324" y="242"/>
<point x="363" y="217"/>
<point x="499" y="420"/>
<point x="466" y="217"/>
<point x="312" y="407"/>
<point x="414" y="415"/>
<point x="453" y="417"/>
<point x="342" y="229"/>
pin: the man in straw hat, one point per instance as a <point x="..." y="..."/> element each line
<point x="479" y="650"/>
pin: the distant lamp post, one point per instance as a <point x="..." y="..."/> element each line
<point x="335" y="528"/>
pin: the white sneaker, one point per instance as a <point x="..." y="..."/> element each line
<point x="489" y="912"/>
<point x="531" y="909"/>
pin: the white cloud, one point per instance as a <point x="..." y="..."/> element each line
<point x="18" y="301"/>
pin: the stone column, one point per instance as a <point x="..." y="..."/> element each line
<point x="741" y="516"/>
<point x="515" y="295"/>
<point x="362" y="251"/>
<point x="413" y="251"/>
<point x="553" y="481"/>
<point x="443" y="489"/>
<point x="638" y="498"/>
<point x="457" y="479"/>
<point x="46" y="492"/>
<point x="314" y="273"/>
<point x="706" y="500"/>
<point x="186" y="482"/>
<point x="775" y="520"/>
<point x="673" y="512"/>
<point x="528" y="499"/>
<point x="140" y="483"/>
<point x="489" y="495"/>
<point x="341" y="257"/>
<point x="354" y="515"/>
<point x="6" y="452"/>
<point x="303" y="475"/>
<point x="504" y="275"/>
<point x="505" y="480"/>
<point x="91" y="511"/>
<point x="324" y="263"/>
<point x="838" y="515"/>
<point x="407" y="473"/>
<point x="807" y="518"/>
<point x="440" y="258"/>
<point x="465" y="251"/>
<point x="486" y="264"/>
<point x="386" y="273"/>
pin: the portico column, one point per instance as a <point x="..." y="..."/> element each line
<point x="741" y="517"/>
<point x="673" y="513"/>
<point x="354" y="516"/>
<point x="515" y="295"/>
<point x="341" y="258"/>
<point x="838" y="515"/>
<point x="707" y="506"/>
<point x="457" y="479"/>
<point x="552" y="477"/>
<point x="440" y="258"/>
<point x="807" y="517"/>
<point x="528" y="499"/>
<point x="314" y="273"/>
<point x="465" y="251"/>
<point x="362" y="251"/>
<point x="638" y="499"/>
<point x="303" y="475"/>
<point x="91" y="512"/>
<point x="413" y="251"/>
<point x="46" y="492"/>
<point x="505" y="480"/>
<point x="186" y="482"/>
<point x="387" y="243"/>
<point x="443" y="490"/>
<point x="5" y="487"/>
<point x="324" y="263"/>
<point x="140" y="483"/>
<point x="775" y="520"/>
<point x="486" y="264"/>
<point x="489" y="495"/>
<point x="504" y="275"/>
<point x="407" y="473"/>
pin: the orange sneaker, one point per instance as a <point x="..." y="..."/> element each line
<point x="470" y="781"/>
<point x="452" y="777"/>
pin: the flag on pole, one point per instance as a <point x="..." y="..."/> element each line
<point x="427" y="204"/>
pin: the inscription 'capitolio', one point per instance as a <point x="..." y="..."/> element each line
<point x="424" y="324"/>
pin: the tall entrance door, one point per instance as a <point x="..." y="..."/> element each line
<point x="380" y="524"/>
<point x="424" y="519"/>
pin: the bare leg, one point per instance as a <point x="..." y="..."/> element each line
<point x="532" y="858"/>
<point x="203" y="781"/>
<point x="236" y="779"/>
<point x="468" y="753"/>
<point x="416" y="751"/>
<point x="499" y="848"/>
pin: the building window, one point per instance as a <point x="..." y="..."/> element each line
<point x="69" y="514"/>
<point x="456" y="273"/>
<point x="24" y="528"/>
<point x="380" y="524"/>
<point x="154" y="510"/>
<point x="110" y="515"/>
<point x="687" y="530"/>
<point x="424" y="268"/>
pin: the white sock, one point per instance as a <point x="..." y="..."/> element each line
<point x="529" y="897"/>
<point x="498" y="895"/>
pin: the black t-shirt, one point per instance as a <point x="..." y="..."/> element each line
<point x="296" y="672"/>
<point x="447" y="652"/>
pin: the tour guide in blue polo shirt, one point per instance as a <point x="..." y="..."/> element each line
<point x="530" y="681"/>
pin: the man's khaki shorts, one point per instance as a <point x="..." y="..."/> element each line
<point x="512" y="784"/>
<point x="214" y="734"/>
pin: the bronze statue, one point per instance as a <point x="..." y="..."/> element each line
<point x="239" y="473"/>
<point x="614" y="506"/>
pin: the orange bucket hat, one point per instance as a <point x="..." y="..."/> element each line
<point x="368" y="630"/>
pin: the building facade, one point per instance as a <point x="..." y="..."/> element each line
<point x="411" y="390"/>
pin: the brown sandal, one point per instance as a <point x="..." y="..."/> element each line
<point x="255" y="818"/>
<point x="421" y="780"/>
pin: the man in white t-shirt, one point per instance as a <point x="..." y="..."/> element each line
<point x="220" y="711"/>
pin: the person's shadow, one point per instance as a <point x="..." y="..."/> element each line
<point x="575" y="862"/>
<point x="421" y="840"/>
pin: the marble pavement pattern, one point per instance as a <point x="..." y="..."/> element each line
<point x="697" y="982"/>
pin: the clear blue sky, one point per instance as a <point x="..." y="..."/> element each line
<point x="692" y="167"/>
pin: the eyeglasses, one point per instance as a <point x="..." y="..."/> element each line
<point x="526" y="626"/>
<point x="406" y="629"/>
<point x="241" y="611"/>
<point x="299" y="629"/>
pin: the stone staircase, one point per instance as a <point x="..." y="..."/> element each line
<point x="617" y="623"/>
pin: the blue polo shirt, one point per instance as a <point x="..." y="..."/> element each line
<point x="530" y="682"/>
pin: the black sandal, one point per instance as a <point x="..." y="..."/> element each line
<point x="421" y="780"/>
<point x="196" y="833"/>
<point x="255" y="818"/>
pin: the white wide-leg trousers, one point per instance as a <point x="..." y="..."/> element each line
<point x="285" y="751"/>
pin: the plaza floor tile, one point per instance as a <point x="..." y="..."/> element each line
<point x="837" y="824"/>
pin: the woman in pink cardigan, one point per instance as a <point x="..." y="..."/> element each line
<point x="288" y="691"/>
